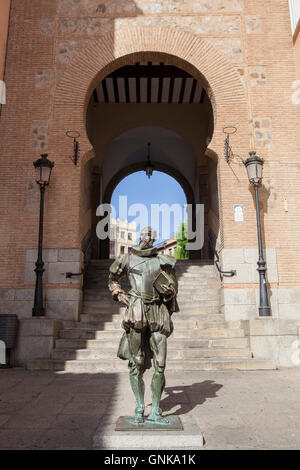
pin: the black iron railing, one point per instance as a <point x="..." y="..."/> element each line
<point x="217" y="259"/>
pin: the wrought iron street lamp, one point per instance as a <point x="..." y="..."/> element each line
<point x="43" y="168"/>
<point x="254" y="166"/>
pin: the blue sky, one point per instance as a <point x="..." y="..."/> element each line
<point x="159" y="189"/>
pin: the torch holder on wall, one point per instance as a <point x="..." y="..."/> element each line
<point x="73" y="135"/>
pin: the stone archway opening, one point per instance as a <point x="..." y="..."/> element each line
<point x="138" y="201"/>
<point x="159" y="103"/>
<point x="170" y="154"/>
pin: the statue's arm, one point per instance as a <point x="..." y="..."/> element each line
<point x="116" y="271"/>
<point x="172" y="290"/>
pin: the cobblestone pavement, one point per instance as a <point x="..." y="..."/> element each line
<point x="233" y="409"/>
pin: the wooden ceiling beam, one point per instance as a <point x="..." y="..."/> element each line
<point x="202" y="95"/>
<point x="171" y="90"/>
<point x="182" y="90"/>
<point x="116" y="90"/>
<point x="193" y="90"/>
<point x="127" y="90"/>
<point x="105" y="93"/>
<point x="95" y="95"/>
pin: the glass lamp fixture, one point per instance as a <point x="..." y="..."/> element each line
<point x="254" y="166"/>
<point x="43" y="168"/>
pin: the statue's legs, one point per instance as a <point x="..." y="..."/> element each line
<point x="136" y="372"/>
<point x="158" y="344"/>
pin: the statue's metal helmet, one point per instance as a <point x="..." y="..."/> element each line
<point x="149" y="231"/>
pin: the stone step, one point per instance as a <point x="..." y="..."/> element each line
<point x="205" y="296"/>
<point x="210" y="333"/>
<point x="88" y="333"/>
<point x="193" y="264"/>
<point x="88" y="321"/>
<point x="181" y="297"/>
<point x="185" y="277"/>
<point x="190" y="289"/>
<point x="207" y="270"/>
<point x="98" y="303"/>
<point x="121" y="366"/>
<point x="114" y="308"/>
<point x="198" y="274"/>
<point x="184" y="354"/>
<point x="186" y="288"/>
<point x="173" y="343"/>
<point x="117" y="317"/>
<point x="110" y="305"/>
<point x="179" y="261"/>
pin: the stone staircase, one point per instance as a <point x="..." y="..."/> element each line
<point x="202" y="339"/>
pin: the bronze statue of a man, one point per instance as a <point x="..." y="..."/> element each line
<point x="147" y="319"/>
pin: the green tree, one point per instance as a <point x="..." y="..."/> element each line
<point x="181" y="237"/>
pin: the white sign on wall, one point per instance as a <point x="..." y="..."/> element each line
<point x="2" y="352"/>
<point x="238" y="213"/>
<point x="2" y="92"/>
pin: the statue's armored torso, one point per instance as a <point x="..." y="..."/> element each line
<point x="141" y="272"/>
<point x="146" y="307"/>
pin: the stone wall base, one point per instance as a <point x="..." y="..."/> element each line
<point x="36" y="337"/>
<point x="61" y="304"/>
<point x="238" y="303"/>
<point x="274" y="338"/>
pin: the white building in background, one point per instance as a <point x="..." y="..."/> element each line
<point x="123" y="235"/>
<point x="167" y="247"/>
<point x="295" y="25"/>
<point x="295" y="13"/>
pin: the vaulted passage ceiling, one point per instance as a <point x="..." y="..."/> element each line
<point x="149" y="82"/>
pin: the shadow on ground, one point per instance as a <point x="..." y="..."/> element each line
<point x="189" y="396"/>
<point x="48" y="410"/>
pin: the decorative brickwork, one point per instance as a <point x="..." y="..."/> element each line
<point x="46" y="27"/>
<point x="43" y="78"/>
<point x="263" y="132"/>
<point x="253" y="25"/>
<point x="258" y="75"/>
<point x="39" y="135"/>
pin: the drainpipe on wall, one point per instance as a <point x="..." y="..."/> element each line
<point x="5" y="11"/>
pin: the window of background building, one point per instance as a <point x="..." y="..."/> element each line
<point x="122" y="235"/>
<point x="112" y="248"/>
<point x="122" y="250"/>
<point x="129" y="236"/>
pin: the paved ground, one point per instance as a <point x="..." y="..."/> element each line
<point x="233" y="409"/>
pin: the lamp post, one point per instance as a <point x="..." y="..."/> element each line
<point x="43" y="168"/>
<point x="149" y="166"/>
<point x="254" y="165"/>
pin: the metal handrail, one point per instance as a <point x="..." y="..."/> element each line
<point x="217" y="261"/>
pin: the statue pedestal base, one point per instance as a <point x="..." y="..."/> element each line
<point x="150" y="435"/>
<point x="125" y="423"/>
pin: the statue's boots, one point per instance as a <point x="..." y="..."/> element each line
<point x="157" y="387"/>
<point x="138" y="387"/>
